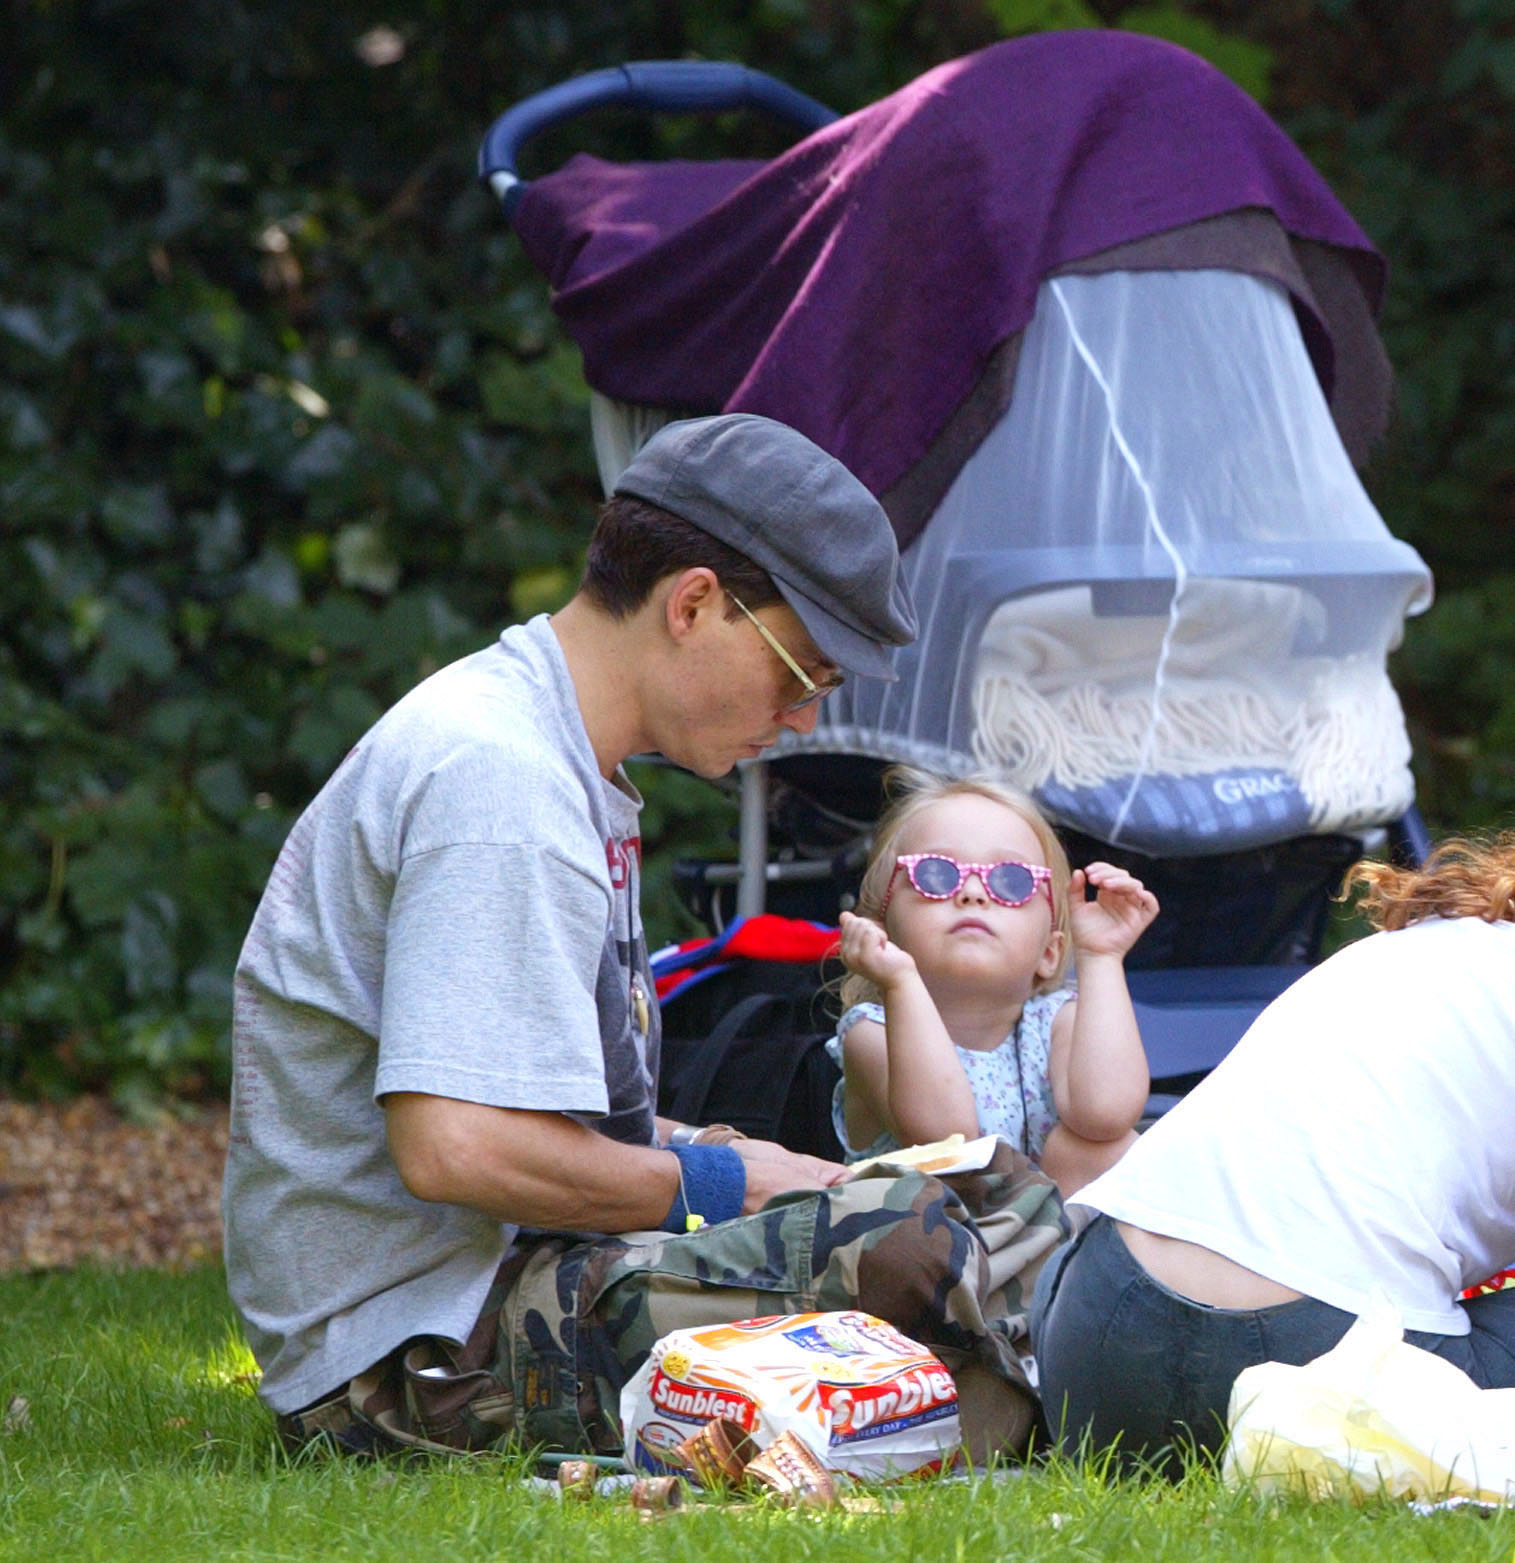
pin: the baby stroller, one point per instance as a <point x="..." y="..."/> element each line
<point x="1103" y="343"/>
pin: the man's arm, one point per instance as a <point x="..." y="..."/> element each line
<point x="545" y="1170"/>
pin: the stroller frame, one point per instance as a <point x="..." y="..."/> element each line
<point x="1189" y="1016"/>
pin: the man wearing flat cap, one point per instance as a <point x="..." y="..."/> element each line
<point x="452" y="1215"/>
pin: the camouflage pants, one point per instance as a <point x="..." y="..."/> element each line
<point x="951" y="1262"/>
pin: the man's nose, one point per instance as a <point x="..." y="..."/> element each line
<point x="803" y="720"/>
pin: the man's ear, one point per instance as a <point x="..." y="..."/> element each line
<point x="694" y="594"/>
<point x="1052" y="954"/>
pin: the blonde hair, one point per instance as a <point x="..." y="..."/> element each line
<point x="910" y="793"/>
<point x="1462" y="877"/>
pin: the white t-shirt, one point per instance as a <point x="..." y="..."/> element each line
<point x="1361" y="1134"/>
<point x="455" y="914"/>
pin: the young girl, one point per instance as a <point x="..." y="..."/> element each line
<point x="956" y="1016"/>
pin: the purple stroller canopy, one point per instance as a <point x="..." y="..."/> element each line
<point x="857" y="285"/>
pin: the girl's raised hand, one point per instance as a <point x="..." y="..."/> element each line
<point x="869" y="951"/>
<point x="1116" y="918"/>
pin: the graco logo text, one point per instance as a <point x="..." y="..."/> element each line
<point x="1261" y="784"/>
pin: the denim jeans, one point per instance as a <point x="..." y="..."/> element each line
<point x="1125" y="1362"/>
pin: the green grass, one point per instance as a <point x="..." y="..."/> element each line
<point x="143" y="1440"/>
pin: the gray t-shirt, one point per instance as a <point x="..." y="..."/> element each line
<point x="456" y="914"/>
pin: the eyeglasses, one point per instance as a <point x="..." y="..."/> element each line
<point x="939" y="877"/>
<point x="813" y="691"/>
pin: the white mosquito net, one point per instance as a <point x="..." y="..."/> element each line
<point x="1156" y="596"/>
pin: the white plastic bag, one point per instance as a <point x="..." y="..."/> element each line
<point x="1372" y="1415"/>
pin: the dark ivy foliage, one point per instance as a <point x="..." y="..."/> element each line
<point x="285" y="421"/>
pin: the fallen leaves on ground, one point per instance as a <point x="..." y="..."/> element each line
<point x="79" y="1182"/>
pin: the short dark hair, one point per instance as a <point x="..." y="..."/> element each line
<point x="636" y="544"/>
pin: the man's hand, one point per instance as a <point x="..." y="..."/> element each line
<point x="544" y="1170"/>
<point x="772" y="1170"/>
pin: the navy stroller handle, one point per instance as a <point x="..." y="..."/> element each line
<point x="653" y="86"/>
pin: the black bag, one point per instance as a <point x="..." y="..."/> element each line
<point x="747" y="1046"/>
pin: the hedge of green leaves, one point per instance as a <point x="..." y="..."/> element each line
<point x="285" y="421"/>
<point x="285" y="425"/>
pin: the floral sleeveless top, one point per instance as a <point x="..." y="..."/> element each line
<point x="1011" y="1084"/>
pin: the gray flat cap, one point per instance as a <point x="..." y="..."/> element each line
<point x="764" y="489"/>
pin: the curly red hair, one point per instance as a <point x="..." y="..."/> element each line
<point x="1462" y="877"/>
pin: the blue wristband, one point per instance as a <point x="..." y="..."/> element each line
<point x="712" y="1186"/>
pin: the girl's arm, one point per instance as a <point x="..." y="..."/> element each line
<point x="1097" y="1065"/>
<point x="903" y="1076"/>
